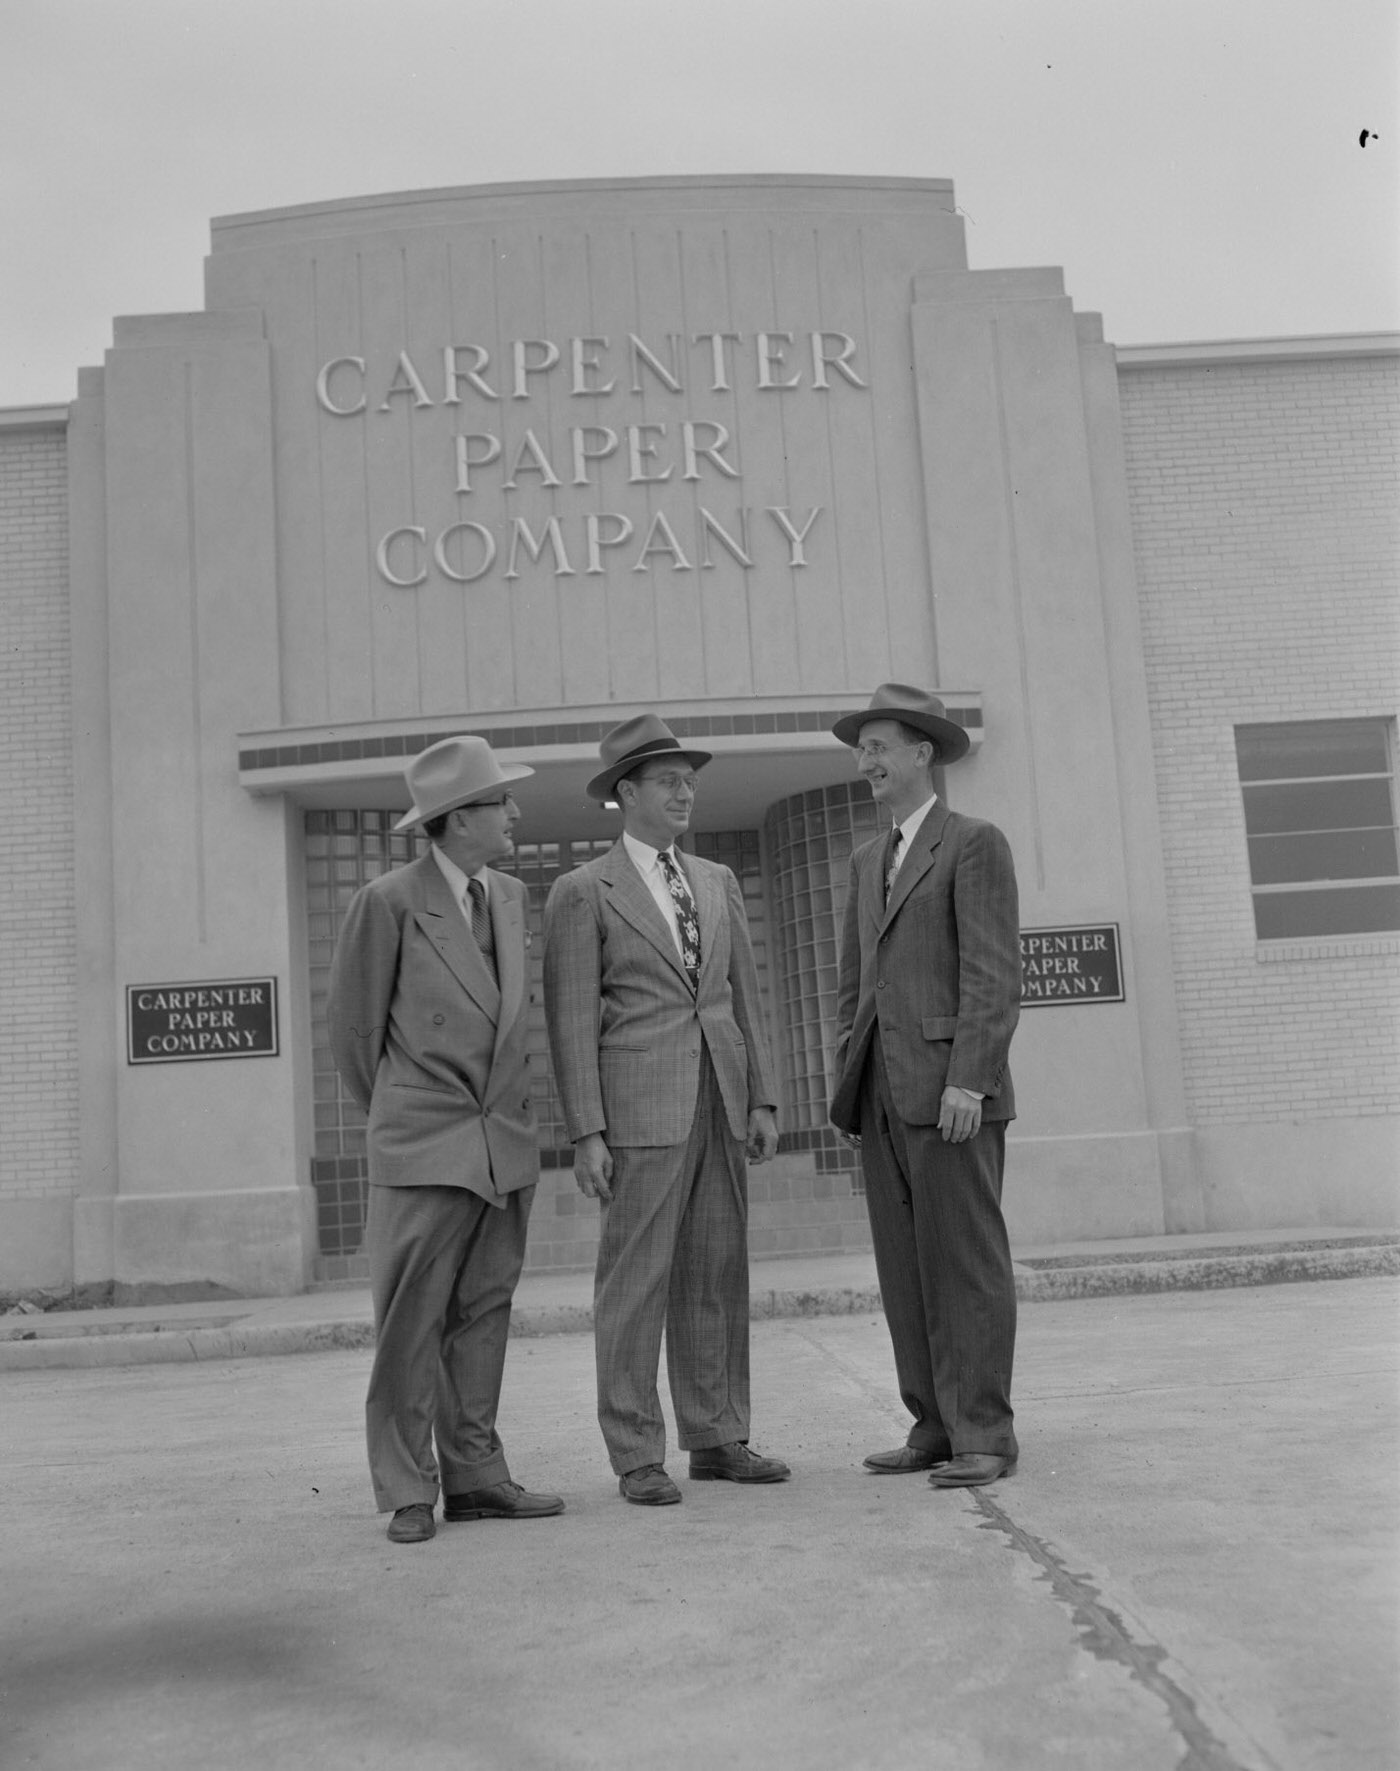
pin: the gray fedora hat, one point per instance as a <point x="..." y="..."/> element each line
<point x="453" y="773"/>
<point x="635" y="741"/>
<point x="911" y="707"/>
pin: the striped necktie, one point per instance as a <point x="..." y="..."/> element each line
<point x="481" y="924"/>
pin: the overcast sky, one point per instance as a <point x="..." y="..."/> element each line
<point x="1195" y="165"/>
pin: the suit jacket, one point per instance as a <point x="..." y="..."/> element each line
<point x="625" y="1027"/>
<point x="937" y="970"/>
<point x="428" y="1045"/>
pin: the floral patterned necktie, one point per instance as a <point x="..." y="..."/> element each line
<point x="687" y="921"/>
<point x="893" y="867"/>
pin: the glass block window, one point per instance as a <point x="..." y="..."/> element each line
<point x="741" y="852"/>
<point x="810" y="839"/>
<point x="1319" y="812"/>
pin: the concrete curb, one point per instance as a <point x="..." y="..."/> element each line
<point x="1204" y="1272"/>
<point x="1050" y="1282"/>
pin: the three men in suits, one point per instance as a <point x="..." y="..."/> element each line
<point x="662" y="1066"/>
<point x="427" y="1018"/>
<point x="928" y="998"/>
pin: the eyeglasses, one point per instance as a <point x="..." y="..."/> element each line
<point x="669" y="783"/>
<point x="506" y="799"/>
<point x="875" y="749"/>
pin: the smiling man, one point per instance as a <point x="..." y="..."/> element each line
<point x="655" y="1030"/>
<point x="928" y="998"/>
<point x="427" y="1018"/>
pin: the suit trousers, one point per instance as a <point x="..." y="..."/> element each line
<point x="674" y="1250"/>
<point x="944" y="1264"/>
<point x="443" y="1269"/>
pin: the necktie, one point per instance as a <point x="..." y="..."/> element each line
<point x="893" y="867"/>
<point x="687" y="921"/>
<point x="481" y="924"/>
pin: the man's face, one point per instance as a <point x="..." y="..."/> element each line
<point x="895" y="770"/>
<point x="658" y="810"/>
<point x="486" y="829"/>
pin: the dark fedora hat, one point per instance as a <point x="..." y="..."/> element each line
<point x="911" y="707"/>
<point x="634" y="742"/>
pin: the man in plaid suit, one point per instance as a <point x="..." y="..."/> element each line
<point x="928" y="997"/>
<point x="656" y="1035"/>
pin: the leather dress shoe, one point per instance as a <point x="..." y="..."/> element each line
<point x="735" y="1463"/>
<point x="648" y="1486"/>
<point x="904" y="1459"/>
<point x="504" y="1500"/>
<point x="971" y="1469"/>
<point x="412" y="1524"/>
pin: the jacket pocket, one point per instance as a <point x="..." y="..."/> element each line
<point x="940" y="1026"/>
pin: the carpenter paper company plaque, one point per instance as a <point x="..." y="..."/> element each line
<point x="226" y="1018"/>
<point x="1070" y="965"/>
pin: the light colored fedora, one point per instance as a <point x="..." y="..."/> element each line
<point x="454" y="773"/>
<point x="635" y="741"/>
<point x="911" y="707"/>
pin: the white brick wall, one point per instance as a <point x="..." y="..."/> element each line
<point x="38" y="1063"/>
<point x="1264" y="513"/>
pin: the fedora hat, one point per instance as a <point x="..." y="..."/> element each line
<point x="454" y="773"/>
<point x="635" y="741"/>
<point x="911" y="707"/>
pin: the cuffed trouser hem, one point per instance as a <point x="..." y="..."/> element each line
<point x="485" y="1475"/>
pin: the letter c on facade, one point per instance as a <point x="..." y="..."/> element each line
<point x="323" y="387"/>
<point x="381" y="556"/>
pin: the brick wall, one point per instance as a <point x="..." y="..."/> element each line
<point x="38" y="1062"/>
<point x="1263" y="500"/>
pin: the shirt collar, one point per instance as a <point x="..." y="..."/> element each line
<point x="645" y="858"/>
<point x="456" y="879"/>
<point x="909" y="827"/>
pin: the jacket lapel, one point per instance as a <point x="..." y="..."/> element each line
<point x="707" y="889"/>
<point x="632" y="900"/>
<point x="922" y="853"/>
<point x="508" y="925"/>
<point x="445" y="926"/>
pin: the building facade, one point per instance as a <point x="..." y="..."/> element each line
<point x="525" y="460"/>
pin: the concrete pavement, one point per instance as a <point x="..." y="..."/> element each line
<point x="328" y="1318"/>
<point x="1195" y="1565"/>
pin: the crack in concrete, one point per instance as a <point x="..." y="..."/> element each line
<point x="1104" y="1634"/>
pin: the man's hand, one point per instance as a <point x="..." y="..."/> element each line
<point x="959" y="1115"/>
<point x="762" y="1141"/>
<point x="593" y="1166"/>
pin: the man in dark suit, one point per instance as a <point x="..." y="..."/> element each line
<point x="427" y="1020"/>
<point x="928" y="998"/>
<point x="655" y="1030"/>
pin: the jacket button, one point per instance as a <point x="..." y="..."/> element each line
<point x="880" y="984"/>
<point x="437" y="1020"/>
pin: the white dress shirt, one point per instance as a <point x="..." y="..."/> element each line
<point x="908" y="829"/>
<point x="458" y="882"/>
<point x="647" y="861"/>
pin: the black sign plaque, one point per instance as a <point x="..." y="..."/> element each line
<point x="1070" y="965"/>
<point x="183" y="1023"/>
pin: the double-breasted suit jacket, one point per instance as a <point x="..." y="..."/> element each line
<point x="937" y="971"/>
<point x="433" y="1049"/>
<point x="429" y="1045"/>
<point x="626" y="1028"/>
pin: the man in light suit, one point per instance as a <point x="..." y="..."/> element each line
<point x="928" y="998"/>
<point x="427" y="1026"/>
<point x="655" y="1030"/>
